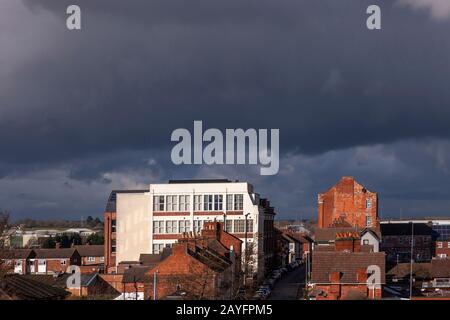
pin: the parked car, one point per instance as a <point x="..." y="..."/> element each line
<point x="276" y="274"/>
<point x="257" y="296"/>
<point x="264" y="292"/>
<point x="269" y="283"/>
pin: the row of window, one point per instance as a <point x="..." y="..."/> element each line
<point x="206" y="202"/>
<point x="440" y="244"/>
<point x="407" y="239"/>
<point x="158" y="248"/>
<point x="180" y="226"/>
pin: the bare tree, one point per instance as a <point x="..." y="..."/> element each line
<point x="4" y="227"/>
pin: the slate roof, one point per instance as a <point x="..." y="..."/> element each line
<point x="16" y="286"/>
<point x="60" y="281"/>
<point x="348" y="263"/>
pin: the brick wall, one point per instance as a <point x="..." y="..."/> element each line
<point x="110" y="236"/>
<point x="347" y="200"/>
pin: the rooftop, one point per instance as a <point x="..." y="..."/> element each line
<point x="19" y="287"/>
<point x="64" y="253"/>
<point x="348" y="263"/>
<point x="91" y="250"/>
<point x="200" y="181"/>
<point x="405" y="229"/>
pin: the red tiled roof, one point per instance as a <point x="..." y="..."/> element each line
<point x="63" y="253"/>
<point x="91" y="250"/>
<point x="15" y="253"/>
<point x="348" y="263"/>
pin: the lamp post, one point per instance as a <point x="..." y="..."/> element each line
<point x="245" y="254"/>
<point x="412" y="259"/>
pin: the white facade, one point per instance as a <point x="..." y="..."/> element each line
<point x="369" y="238"/>
<point x="149" y="221"/>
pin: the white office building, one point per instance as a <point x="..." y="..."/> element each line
<point x="149" y="220"/>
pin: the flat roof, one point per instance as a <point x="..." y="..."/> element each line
<point x="200" y="181"/>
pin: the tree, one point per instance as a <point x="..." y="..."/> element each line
<point x="4" y="227"/>
<point x="95" y="239"/>
<point x="48" y="243"/>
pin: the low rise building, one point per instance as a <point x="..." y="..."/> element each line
<point x="397" y="242"/>
<point x="16" y="260"/>
<point x="204" y="265"/>
<point x="54" y="261"/>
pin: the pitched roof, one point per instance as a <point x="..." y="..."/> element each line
<point x="16" y="253"/>
<point x="404" y="229"/>
<point x="62" y="253"/>
<point x="348" y="263"/>
<point x="373" y="231"/>
<point x="329" y="234"/>
<point x="28" y="289"/>
<point x="136" y="274"/>
<point x="60" y="281"/>
<point x="403" y="270"/>
<point x="91" y="250"/>
<point x="215" y="261"/>
<point x="440" y="268"/>
<point x="152" y="260"/>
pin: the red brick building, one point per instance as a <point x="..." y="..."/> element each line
<point x="52" y="261"/>
<point x="16" y="260"/>
<point x="349" y="202"/>
<point x="397" y="239"/>
<point x="205" y="265"/>
<point x="341" y="271"/>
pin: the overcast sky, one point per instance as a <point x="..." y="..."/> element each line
<point x="84" y="112"/>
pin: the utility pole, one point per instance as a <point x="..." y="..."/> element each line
<point x="245" y="254"/>
<point x="411" y="264"/>
<point x="155" y="282"/>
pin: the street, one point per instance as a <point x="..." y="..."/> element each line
<point x="290" y="286"/>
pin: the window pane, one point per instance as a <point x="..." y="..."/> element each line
<point x="229" y="202"/>
<point x="187" y="203"/>
<point x="218" y="199"/>
<point x="229" y="226"/>
<point x="249" y="225"/>
<point x="208" y="202"/>
<point x="239" y="226"/>
<point x="238" y="202"/>
<point x="198" y="203"/>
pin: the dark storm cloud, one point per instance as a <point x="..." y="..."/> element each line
<point x="140" y="69"/>
<point x="104" y="100"/>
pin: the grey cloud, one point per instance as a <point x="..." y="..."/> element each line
<point x="99" y="104"/>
